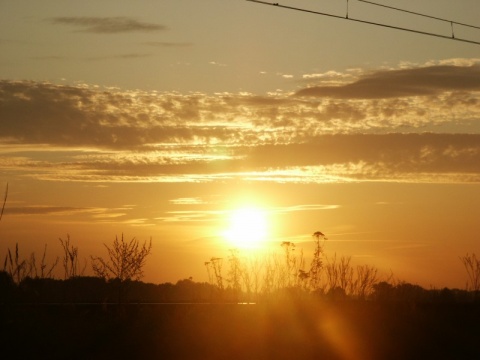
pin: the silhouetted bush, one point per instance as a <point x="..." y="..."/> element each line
<point x="7" y="287"/>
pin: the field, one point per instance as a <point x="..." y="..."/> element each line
<point x="288" y="328"/>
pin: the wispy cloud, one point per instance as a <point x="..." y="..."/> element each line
<point x="339" y="158"/>
<point x="166" y="44"/>
<point x="107" y="25"/>
<point x="192" y="216"/>
<point x="120" y="56"/>
<point x="92" y="213"/>
<point x="309" y="207"/>
<point x="216" y="63"/>
<point x="44" y="210"/>
<point x="187" y="201"/>
<point x="207" y="215"/>
<point x="48" y="58"/>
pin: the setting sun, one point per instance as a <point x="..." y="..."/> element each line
<point x="247" y="228"/>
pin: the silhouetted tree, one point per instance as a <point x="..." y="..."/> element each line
<point x="125" y="263"/>
<point x="87" y="289"/>
<point x="336" y="293"/>
<point x="366" y="278"/>
<point x="346" y="275"/>
<point x="125" y="260"/>
<point x="383" y="291"/>
<point x="410" y="292"/>
<point x="338" y="273"/>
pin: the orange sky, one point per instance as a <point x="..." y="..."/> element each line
<point x="160" y="120"/>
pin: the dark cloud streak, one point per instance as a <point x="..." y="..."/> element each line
<point x="43" y="210"/>
<point x="405" y="152"/>
<point x="430" y="80"/>
<point x="108" y="25"/>
<point x="120" y="56"/>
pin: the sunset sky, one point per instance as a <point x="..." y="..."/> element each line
<point x="164" y="118"/>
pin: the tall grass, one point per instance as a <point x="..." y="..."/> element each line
<point x="20" y="268"/>
<point x="254" y="278"/>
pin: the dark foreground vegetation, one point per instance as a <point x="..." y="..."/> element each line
<point x="287" y="329"/>
<point x="80" y="318"/>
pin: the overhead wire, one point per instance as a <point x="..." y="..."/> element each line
<point x="419" y="14"/>
<point x="348" y="17"/>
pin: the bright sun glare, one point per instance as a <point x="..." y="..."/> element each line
<point x="247" y="228"/>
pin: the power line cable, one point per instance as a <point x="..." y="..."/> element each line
<point x="347" y="17"/>
<point x="419" y="14"/>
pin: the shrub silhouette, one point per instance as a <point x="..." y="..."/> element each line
<point x="125" y="260"/>
<point x="125" y="263"/>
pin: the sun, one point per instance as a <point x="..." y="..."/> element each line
<point x="247" y="228"/>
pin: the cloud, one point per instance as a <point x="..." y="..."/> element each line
<point x="327" y="75"/>
<point x="107" y="25"/>
<point x="43" y="210"/>
<point x="330" y="158"/>
<point x="203" y="215"/>
<point x="39" y="113"/>
<point x="188" y="201"/>
<point x="422" y="81"/>
<point x="404" y="152"/>
<point x="164" y="44"/>
<point x="309" y="207"/>
<point x="49" y="58"/>
<point x="121" y="56"/>
<point x="77" y="214"/>
<point x="91" y="117"/>
<point x="94" y="134"/>
<point x="215" y="63"/>
<point x="192" y="216"/>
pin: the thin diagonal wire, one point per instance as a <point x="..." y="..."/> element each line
<point x="419" y="14"/>
<point x="4" y="202"/>
<point x="366" y="22"/>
